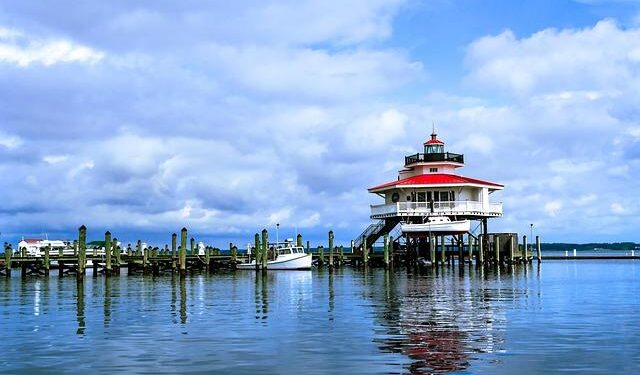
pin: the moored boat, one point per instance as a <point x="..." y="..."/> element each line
<point x="437" y="224"/>
<point x="282" y="256"/>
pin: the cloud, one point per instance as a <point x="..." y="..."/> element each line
<point x="594" y="58"/>
<point x="24" y="50"/>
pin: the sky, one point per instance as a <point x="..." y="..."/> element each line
<point x="229" y="117"/>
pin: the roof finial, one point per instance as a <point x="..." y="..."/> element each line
<point x="433" y="127"/>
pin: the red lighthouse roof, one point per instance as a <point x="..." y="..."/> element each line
<point x="436" y="179"/>
<point x="434" y="140"/>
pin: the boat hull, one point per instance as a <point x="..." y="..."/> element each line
<point x="300" y="262"/>
<point x="461" y="226"/>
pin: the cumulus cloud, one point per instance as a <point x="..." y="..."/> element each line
<point x="24" y="50"/>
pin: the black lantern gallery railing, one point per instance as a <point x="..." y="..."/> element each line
<point x="425" y="158"/>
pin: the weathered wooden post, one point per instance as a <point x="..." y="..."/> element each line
<point x="183" y="252"/>
<point x="193" y="247"/>
<point x="174" y="246"/>
<point x="7" y="259"/>
<point x="145" y="260"/>
<point x="139" y="248"/>
<point x="365" y="251"/>
<point x="299" y="240"/>
<point x="496" y="245"/>
<point x="341" y="254"/>
<point x="480" y="259"/>
<point x="308" y="247"/>
<point x="443" y="254"/>
<point x="386" y="249"/>
<point x="432" y="249"/>
<point x="75" y="248"/>
<point x="47" y="262"/>
<point x="207" y="258"/>
<point x="107" y="253"/>
<point x="524" y="248"/>
<point x="265" y="244"/>
<point x="234" y="253"/>
<point x="60" y="252"/>
<point x="330" y="248"/>
<point x="320" y="255"/>
<point x="470" y="244"/>
<point x="82" y="251"/>
<point x="538" y="249"/>
<point x="116" y="254"/>
<point x="129" y="251"/>
<point x="352" y="244"/>
<point x="257" y="250"/>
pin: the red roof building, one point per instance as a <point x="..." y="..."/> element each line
<point x="429" y="188"/>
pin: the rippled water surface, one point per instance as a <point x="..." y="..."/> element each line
<point x="567" y="316"/>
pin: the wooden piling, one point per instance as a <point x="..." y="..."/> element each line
<point x="308" y="247"/>
<point x="330" y="248"/>
<point x="256" y="250"/>
<point x="82" y="251"/>
<point x="386" y="249"/>
<point x="299" y="240"/>
<point x="524" y="248"/>
<point x="320" y="255"/>
<point x="107" y="253"/>
<point x="234" y="253"/>
<point x="207" y="258"/>
<point x="470" y="244"/>
<point x="538" y="249"/>
<point x="432" y="249"/>
<point x="193" y="246"/>
<point x="183" y="252"/>
<point x="116" y="255"/>
<point x="496" y="248"/>
<point x="174" y="246"/>
<point x="365" y="251"/>
<point x="47" y="262"/>
<point x="265" y="244"/>
<point x="442" y="250"/>
<point x="8" y="251"/>
<point x="480" y="259"/>
<point x="139" y="248"/>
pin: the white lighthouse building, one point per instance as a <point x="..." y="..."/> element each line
<point x="429" y="191"/>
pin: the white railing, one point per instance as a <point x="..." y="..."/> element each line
<point x="442" y="208"/>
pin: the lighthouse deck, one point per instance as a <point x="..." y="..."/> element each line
<point x="449" y="208"/>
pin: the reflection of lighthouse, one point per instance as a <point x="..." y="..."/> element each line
<point x="438" y="323"/>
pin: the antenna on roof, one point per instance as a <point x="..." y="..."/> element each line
<point x="433" y="127"/>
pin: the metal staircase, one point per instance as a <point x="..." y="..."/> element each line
<point x="375" y="231"/>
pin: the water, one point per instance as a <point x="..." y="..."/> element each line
<point x="569" y="316"/>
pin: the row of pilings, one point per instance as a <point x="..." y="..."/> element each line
<point x="496" y="249"/>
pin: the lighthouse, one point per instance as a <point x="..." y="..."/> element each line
<point x="429" y="197"/>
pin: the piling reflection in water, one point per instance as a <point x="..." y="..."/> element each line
<point x="441" y="321"/>
<point x="262" y="295"/>
<point x="80" y="307"/>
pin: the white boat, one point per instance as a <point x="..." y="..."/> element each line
<point x="437" y="224"/>
<point x="282" y="256"/>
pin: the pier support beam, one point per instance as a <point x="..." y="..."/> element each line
<point x="8" y="251"/>
<point x="496" y="248"/>
<point x="470" y="244"/>
<point x="432" y="249"/>
<point x="256" y="250"/>
<point x="299" y="240"/>
<point x="386" y="250"/>
<point x="365" y="251"/>
<point x="265" y="244"/>
<point x="183" y="252"/>
<point x="538" y="249"/>
<point x="107" y="253"/>
<point x="524" y="249"/>
<point x="331" y="249"/>
<point x="443" y="254"/>
<point x="480" y="259"/>
<point x="47" y="262"/>
<point x="82" y="251"/>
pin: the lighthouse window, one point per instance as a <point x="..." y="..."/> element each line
<point x="422" y="197"/>
<point x="433" y="170"/>
<point x="444" y="196"/>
